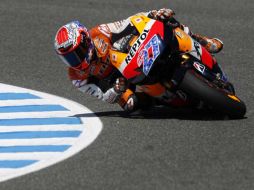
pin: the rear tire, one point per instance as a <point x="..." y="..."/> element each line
<point x="221" y="100"/>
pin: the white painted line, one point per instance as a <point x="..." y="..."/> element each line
<point x="33" y="155"/>
<point x="41" y="128"/>
<point x="24" y="102"/>
<point x="36" y="114"/>
<point x="39" y="141"/>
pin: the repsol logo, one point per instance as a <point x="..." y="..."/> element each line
<point x="135" y="46"/>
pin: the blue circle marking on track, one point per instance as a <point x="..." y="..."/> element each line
<point x="38" y="130"/>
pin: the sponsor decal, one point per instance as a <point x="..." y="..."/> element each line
<point x="196" y="50"/>
<point x="138" y="20"/>
<point x="199" y="67"/>
<point x="179" y="34"/>
<point x="197" y="47"/>
<point x="119" y="24"/>
<point x="103" y="28"/>
<point x="148" y="55"/>
<point x="101" y="45"/>
<point x="136" y="46"/>
<point x="114" y="57"/>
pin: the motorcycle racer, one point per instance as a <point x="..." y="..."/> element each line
<point x="86" y="53"/>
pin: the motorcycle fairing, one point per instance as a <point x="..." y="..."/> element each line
<point x="189" y="45"/>
<point x="137" y="63"/>
<point x="144" y="50"/>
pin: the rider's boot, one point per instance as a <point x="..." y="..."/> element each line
<point x="213" y="45"/>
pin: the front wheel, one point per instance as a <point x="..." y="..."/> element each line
<point x="221" y="100"/>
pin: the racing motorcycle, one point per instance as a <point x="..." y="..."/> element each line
<point x="162" y="54"/>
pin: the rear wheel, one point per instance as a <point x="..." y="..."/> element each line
<point x="219" y="99"/>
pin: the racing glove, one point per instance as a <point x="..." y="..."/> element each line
<point x="166" y="16"/>
<point x="162" y="14"/>
<point x="113" y="94"/>
<point x="90" y="89"/>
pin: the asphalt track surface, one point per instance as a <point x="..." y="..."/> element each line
<point x="167" y="149"/>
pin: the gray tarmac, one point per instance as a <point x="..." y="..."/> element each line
<point x="165" y="149"/>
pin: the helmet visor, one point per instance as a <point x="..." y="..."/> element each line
<point x="75" y="57"/>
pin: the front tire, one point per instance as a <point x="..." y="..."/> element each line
<point x="221" y="100"/>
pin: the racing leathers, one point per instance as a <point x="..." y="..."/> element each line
<point x="97" y="80"/>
